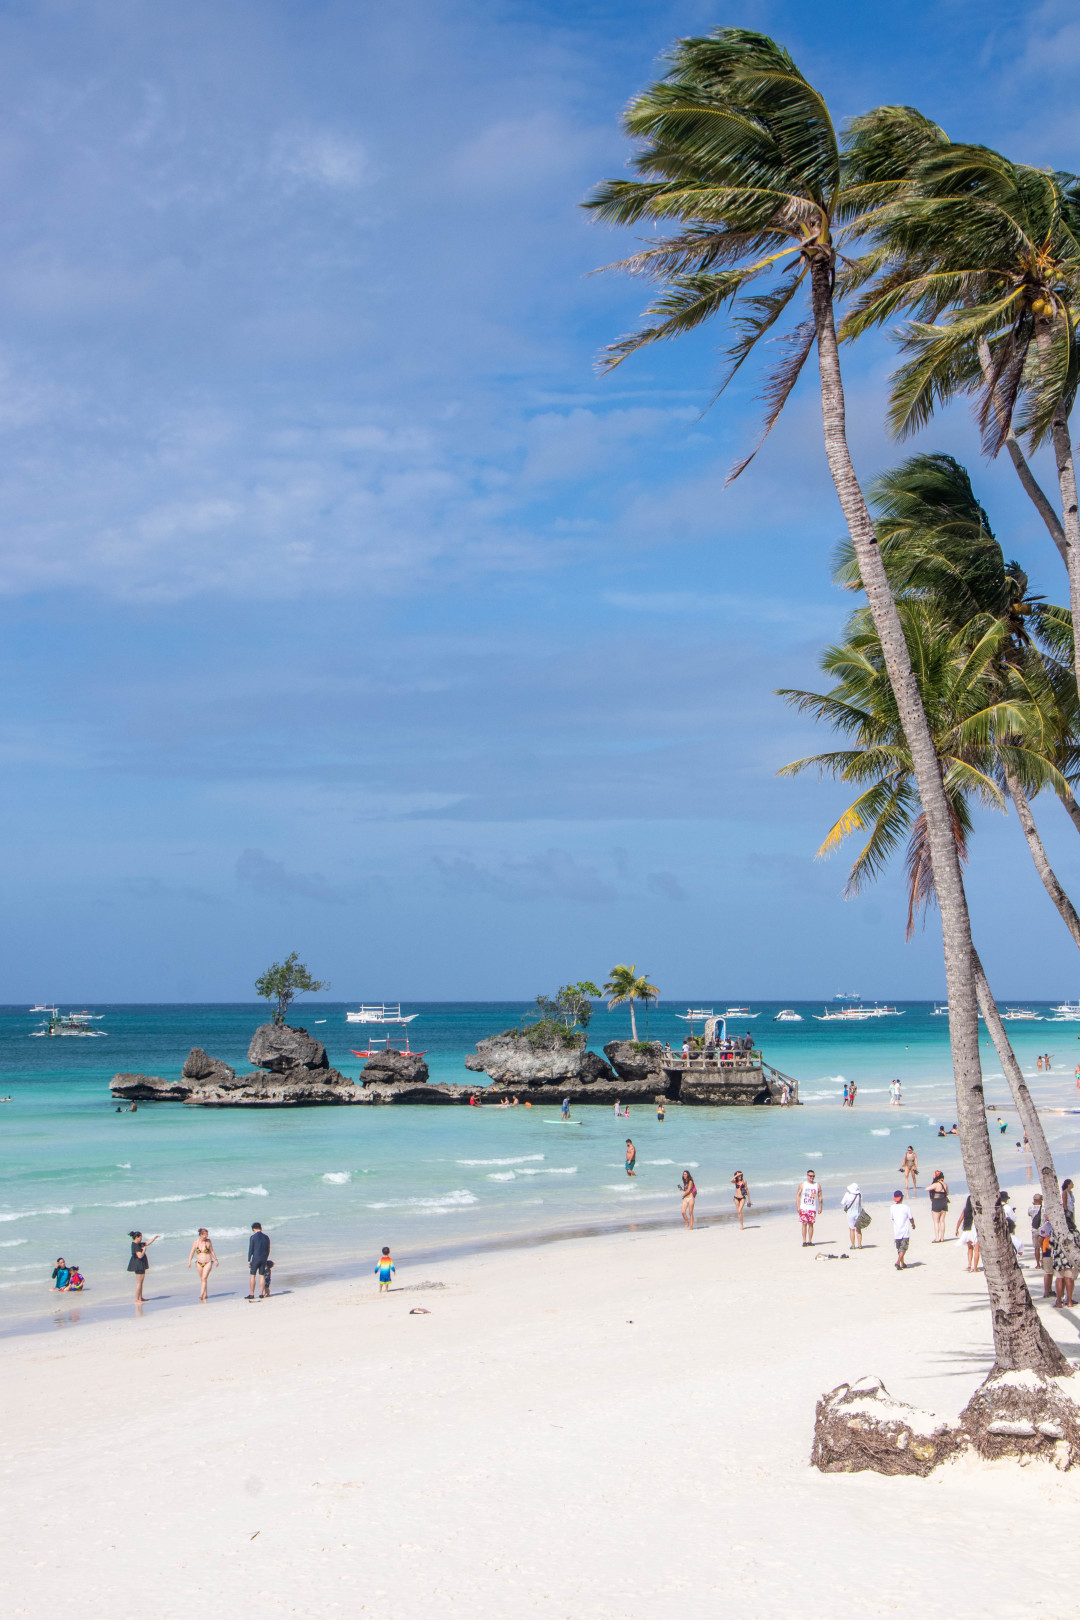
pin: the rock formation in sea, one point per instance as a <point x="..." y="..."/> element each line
<point x="200" y="1066"/>
<point x="513" y="1060"/>
<point x="394" y="1067"/>
<point x="637" y="1060"/>
<point x="280" y="1047"/>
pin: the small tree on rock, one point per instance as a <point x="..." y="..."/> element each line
<point x="283" y="981"/>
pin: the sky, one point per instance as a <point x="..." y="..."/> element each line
<point x="344" y="607"/>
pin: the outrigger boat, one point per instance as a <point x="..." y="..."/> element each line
<point x="382" y="1013"/>
<point x="75" y="1023"/>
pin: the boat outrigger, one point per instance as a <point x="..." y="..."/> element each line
<point x="74" y="1023"/>
<point x="389" y="1017"/>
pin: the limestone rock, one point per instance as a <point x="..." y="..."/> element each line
<point x="630" y="1064"/>
<point x="149" y="1088"/>
<point x="198" y="1065"/>
<point x="859" y="1427"/>
<point x="511" y="1060"/>
<point x="395" y="1066"/>
<point x="1018" y="1414"/>
<point x="278" y="1047"/>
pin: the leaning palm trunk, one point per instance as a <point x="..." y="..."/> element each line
<point x="1027" y="1112"/>
<point x="1050" y="882"/>
<point x="1020" y="1339"/>
<point x="1034" y="490"/>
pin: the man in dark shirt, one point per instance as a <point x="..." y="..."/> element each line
<point x="259" y="1259"/>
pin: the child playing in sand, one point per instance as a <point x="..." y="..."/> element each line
<point x="385" y="1270"/>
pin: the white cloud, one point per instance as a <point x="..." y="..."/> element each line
<point x="321" y="157"/>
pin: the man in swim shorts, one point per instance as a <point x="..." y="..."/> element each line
<point x="903" y="1226"/>
<point x="631" y="1158"/>
<point x="808" y="1202"/>
<point x="259" y="1259"/>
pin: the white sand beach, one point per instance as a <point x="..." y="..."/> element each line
<point x="607" y="1427"/>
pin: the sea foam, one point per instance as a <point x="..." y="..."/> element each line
<point x="524" y="1158"/>
<point x="338" y="1177"/>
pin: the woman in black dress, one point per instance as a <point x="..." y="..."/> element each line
<point x="138" y="1263"/>
<point x="939" y="1204"/>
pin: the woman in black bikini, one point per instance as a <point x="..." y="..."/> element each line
<point x="742" y="1196"/>
<point x="938" y="1191"/>
<point x="138" y="1263"/>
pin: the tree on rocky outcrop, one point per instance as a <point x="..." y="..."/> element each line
<point x="626" y="984"/>
<point x="284" y="981"/>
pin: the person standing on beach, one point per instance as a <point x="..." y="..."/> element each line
<point x="384" y="1270"/>
<point x="971" y="1236"/>
<point x="852" y="1089"/>
<point x="1068" y="1204"/>
<point x="808" y="1202"/>
<point x="910" y="1168"/>
<point x="202" y="1252"/>
<point x="688" y="1191"/>
<point x="845" y="1101"/>
<point x="259" y="1260"/>
<point x="138" y="1263"/>
<point x="1035" y="1216"/>
<point x="742" y="1196"/>
<point x="938" y="1192"/>
<point x="895" y="1090"/>
<point x="631" y="1158"/>
<point x="851" y="1204"/>
<point x="903" y="1224"/>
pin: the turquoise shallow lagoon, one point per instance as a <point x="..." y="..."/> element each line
<point x="332" y="1185"/>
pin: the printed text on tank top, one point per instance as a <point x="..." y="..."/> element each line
<point x="809" y="1195"/>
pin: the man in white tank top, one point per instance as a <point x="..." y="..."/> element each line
<point x="808" y="1203"/>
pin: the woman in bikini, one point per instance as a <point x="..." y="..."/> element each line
<point x="910" y="1167"/>
<point x="202" y="1252"/>
<point x="742" y="1196"/>
<point x="689" y="1194"/>
<point x="138" y="1263"/>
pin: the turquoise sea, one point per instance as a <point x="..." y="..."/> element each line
<point x="332" y="1185"/>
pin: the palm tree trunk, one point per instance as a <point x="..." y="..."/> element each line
<point x="1026" y="1111"/>
<point x="633" y="1021"/>
<point x="1070" y="508"/>
<point x="1046" y="872"/>
<point x="1072" y="809"/>
<point x="1039" y="498"/>
<point x="1020" y="1339"/>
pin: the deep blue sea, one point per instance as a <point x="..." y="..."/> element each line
<point x="332" y="1185"/>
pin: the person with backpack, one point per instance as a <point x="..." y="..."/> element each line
<point x="851" y="1204"/>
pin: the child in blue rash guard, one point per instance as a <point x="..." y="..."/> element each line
<point x="384" y="1270"/>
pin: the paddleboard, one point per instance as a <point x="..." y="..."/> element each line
<point x="564" y="1122"/>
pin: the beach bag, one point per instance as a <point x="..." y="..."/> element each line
<point x="863" y="1220"/>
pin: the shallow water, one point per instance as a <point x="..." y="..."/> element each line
<point x="332" y="1185"/>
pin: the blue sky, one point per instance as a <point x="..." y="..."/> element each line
<point x="344" y="608"/>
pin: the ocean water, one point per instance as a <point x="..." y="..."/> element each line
<point x="332" y="1185"/>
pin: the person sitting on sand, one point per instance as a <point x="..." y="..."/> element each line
<point x="76" y="1281"/>
<point x="689" y="1197"/>
<point x="61" y="1276"/>
<point x="808" y="1202"/>
<point x="384" y="1270"/>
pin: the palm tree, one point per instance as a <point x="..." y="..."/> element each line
<point x="741" y="155"/>
<point x="928" y="522"/>
<point x="937" y="545"/>
<point x="984" y="255"/>
<point x="627" y="984"/>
